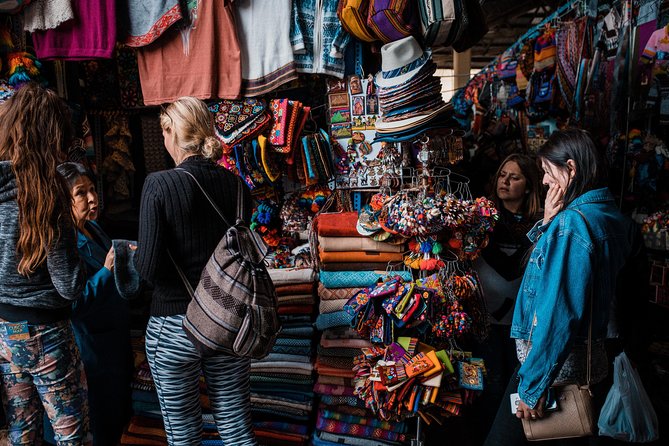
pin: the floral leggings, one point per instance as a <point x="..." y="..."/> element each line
<point x="44" y="371"/>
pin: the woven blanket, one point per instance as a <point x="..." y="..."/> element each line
<point x="259" y="411"/>
<point x="357" y="279"/>
<point x="274" y="374"/>
<point x="291" y="350"/>
<point x="297" y="331"/>
<point x="334" y="380"/>
<point x="330" y="306"/>
<point x="292" y="428"/>
<point x="358" y="430"/>
<point x="292" y="366"/>
<point x="286" y="357"/>
<point x="328" y="244"/>
<point x="340" y="333"/>
<point x="292" y="276"/>
<point x="286" y="298"/>
<point x="360" y="256"/>
<point x="294" y="288"/>
<point x="297" y="380"/>
<point x="337" y="224"/>
<point x="336" y="319"/>
<point x="338" y="351"/>
<point x="396" y="426"/>
<point x="293" y="342"/>
<point x="334" y="390"/>
<point x="340" y="362"/>
<point x="334" y="371"/>
<point x="345" y="343"/>
<point x="336" y="293"/>
<point x="296" y="309"/>
<point x="345" y="400"/>
<point x="352" y="266"/>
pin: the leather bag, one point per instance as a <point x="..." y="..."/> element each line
<point x="234" y="309"/>
<point x="574" y="416"/>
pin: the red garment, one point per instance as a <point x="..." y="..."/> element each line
<point x="337" y="224"/>
<point x="204" y="62"/>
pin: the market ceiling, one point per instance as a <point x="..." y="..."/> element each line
<point x="507" y="21"/>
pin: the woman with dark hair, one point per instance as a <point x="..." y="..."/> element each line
<point x="580" y="246"/>
<point x="100" y="319"/>
<point x="517" y="196"/>
<point x="40" y="273"/>
<point x="179" y="225"/>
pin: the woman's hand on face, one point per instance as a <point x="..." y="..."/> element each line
<point x="525" y="412"/>
<point x="553" y="203"/>
<point x="109" y="260"/>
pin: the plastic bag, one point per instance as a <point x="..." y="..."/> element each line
<point x="628" y="414"/>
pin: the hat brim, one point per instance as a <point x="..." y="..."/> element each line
<point x="365" y="231"/>
<point x="406" y="124"/>
<point x="397" y="80"/>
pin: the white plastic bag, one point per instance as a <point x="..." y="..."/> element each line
<point x="628" y="414"/>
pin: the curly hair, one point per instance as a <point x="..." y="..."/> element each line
<point x="35" y="131"/>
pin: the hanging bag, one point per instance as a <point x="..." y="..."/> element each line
<point x="437" y="19"/>
<point x="574" y="416"/>
<point x="628" y="414"/>
<point x="234" y="308"/>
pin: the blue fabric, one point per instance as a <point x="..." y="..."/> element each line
<point x="559" y="276"/>
<point x="126" y="277"/>
<point x="356" y="279"/>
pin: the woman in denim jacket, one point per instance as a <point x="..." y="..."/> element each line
<point x="580" y="246"/>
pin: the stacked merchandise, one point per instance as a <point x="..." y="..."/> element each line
<point x="348" y="262"/>
<point x="409" y="92"/>
<point x="282" y="382"/>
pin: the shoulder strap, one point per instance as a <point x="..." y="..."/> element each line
<point x="207" y="195"/>
<point x="189" y="288"/>
<point x="240" y="201"/>
<point x="592" y="298"/>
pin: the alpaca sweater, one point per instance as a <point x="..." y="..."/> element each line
<point x="176" y="216"/>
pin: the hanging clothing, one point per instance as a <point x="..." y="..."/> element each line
<point x="91" y="34"/>
<point x="657" y="50"/>
<point x="46" y="14"/>
<point x="149" y="20"/>
<point x="267" y="57"/>
<point x="318" y="38"/>
<point x="202" y="60"/>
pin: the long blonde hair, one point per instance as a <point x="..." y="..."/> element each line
<point x="191" y="125"/>
<point x="35" y="130"/>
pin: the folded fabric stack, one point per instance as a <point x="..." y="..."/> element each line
<point x="349" y="262"/>
<point x="282" y="382"/>
<point x="409" y="93"/>
<point x="239" y="120"/>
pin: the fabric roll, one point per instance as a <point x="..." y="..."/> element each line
<point x="338" y="224"/>
<point x="336" y="293"/>
<point x="290" y="276"/>
<point x="330" y="244"/>
<point x="348" y="266"/>
<point x="360" y="279"/>
<point x="360" y="256"/>
<point x="330" y="306"/>
<point x="294" y="288"/>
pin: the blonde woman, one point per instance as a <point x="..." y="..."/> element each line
<point x="177" y="219"/>
<point x="40" y="273"/>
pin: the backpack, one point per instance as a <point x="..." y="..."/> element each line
<point x="234" y="307"/>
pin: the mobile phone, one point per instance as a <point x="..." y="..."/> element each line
<point x="515" y="400"/>
<point x="551" y="402"/>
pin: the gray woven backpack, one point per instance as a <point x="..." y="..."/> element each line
<point x="234" y="307"/>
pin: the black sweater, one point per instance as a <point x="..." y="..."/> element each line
<point x="175" y="215"/>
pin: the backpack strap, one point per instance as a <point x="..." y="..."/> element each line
<point x="209" y="198"/>
<point x="189" y="288"/>
<point x="240" y="202"/>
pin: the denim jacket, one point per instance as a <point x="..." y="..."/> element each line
<point x="570" y="259"/>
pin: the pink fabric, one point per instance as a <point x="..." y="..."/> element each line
<point x="90" y="35"/>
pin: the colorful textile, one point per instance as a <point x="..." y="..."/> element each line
<point x="355" y="266"/>
<point x="323" y="369"/>
<point x="333" y="244"/>
<point x="128" y="76"/>
<point x="279" y="109"/>
<point x="90" y="35"/>
<point x="358" y="430"/>
<point x="338" y="224"/>
<point x="329" y="320"/>
<point x="178" y="66"/>
<point x="395" y="426"/>
<point x="292" y="276"/>
<point x="318" y="49"/>
<point x="336" y="293"/>
<point x="330" y="306"/>
<point x="657" y="50"/>
<point x="231" y="115"/>
<point x="294" y="288"/>
<point x="360" y="256"/>
<point x="149" y="20"/>
<point x="359" y="279"/>
<point x="392" y="20"/>
<point x="345" y="343"/>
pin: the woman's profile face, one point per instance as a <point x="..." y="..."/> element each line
<point x="84" y="201"/>
<point x="511" y="183"/>
<point x="555" y="176"/>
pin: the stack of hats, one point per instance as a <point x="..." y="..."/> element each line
<point x="409" y="92"/>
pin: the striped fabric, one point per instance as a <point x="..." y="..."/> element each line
<point x="436" y="19"/>
<point x="391" y="20"/>
<point x="176" y="366"/>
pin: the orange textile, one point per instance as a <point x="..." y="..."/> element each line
<point x="203" y="62"/>
<point x="337" y="224"/>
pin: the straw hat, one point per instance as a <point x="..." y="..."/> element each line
<point x="400" y="61"/>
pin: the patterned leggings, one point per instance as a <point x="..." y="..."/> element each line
<point x="44" y="372"/>
<point x="175" y="366"/>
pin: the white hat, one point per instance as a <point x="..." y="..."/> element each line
<point x="400" y="61"/>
